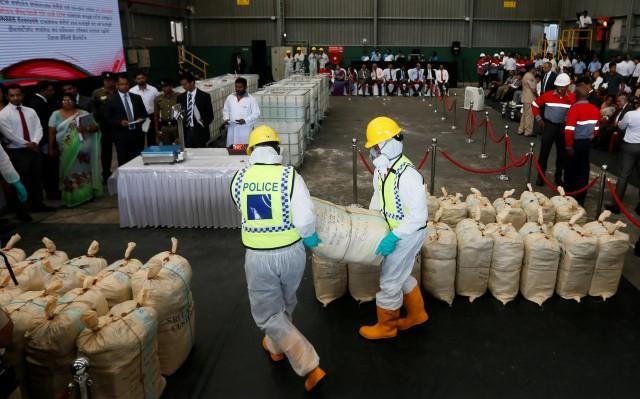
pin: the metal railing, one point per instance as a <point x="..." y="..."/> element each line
<point x="571" y="37"/>
<point x="193" y="61"/>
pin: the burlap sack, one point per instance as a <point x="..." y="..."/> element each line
<point x="13" y="254"/>
<point x="613" y="245"/>
<point x="439" y="261"/>
<point x="538" y="226"/>
<point x="90" y="263"/>
<point x="475" y="247"/>
<point x="8" y="290"/>
<point x="25" y="311"/>
<point x="169" y="294"/>
<point x="50" y="253"/>
<point x="87" y="298"/>
<point x="50" y="348"/>
<point x="173" y="258"/>
<point x="122" y="350"/>
<point x="29" y="273"/>
<point x="531" y="201"/>
<point x="509" y="210"/>
<point x="567" y="207"/>
<point x="329" y="279"/>
<point x="349" y="235"/>
<point x="70" y="276"/>
<point x="477" y="203"/>
<point x="506" y="262"/>
<point x="416" y="271"/>
<point x="433" y="204"/>
<point x="577" y="261"/>
<point x="115" y="281"/>
<point x="364" y="281"/>
<point x="540" y="267"/>
<point x="453" y="208"/>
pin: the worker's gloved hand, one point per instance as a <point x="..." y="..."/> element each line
<point x="388" y="244"/>
<point x="21" y="191"/>
<point x="312" y="241"/>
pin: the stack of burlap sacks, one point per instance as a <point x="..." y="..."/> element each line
<point x="133" y="321"/>
<point x="532" y="245"/>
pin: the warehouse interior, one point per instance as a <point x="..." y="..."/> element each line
<point x="585" y="347"/>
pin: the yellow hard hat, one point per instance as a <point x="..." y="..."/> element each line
<point x="381" y="129"/>
<point x="299" y="48"/>
<point x="321" y="49"/>
<point x="261" y="134"/>
<point x="313" y="49"/>
<point x="288" y="51"/>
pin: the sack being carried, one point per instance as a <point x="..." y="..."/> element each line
<point x="168" y="292"/>
<point x="540" y="266"/>
<point x="475" y="247"/>
<point x="476" y="203"/>
<point x="349" y="235"/>
<point x="122" y="350"/>
<point x="567" y="207"/>
<point x="532" y="201"/>
<point x="115" y="281"/>
<point x="329" y="279"/>
<point x="453" y="208"/>
<point x="364" y="281"/>
<point x="506" y="262"/>
<point x="439" y="261"/>
<point x="613" y="245"/>
<point x="508" y="210"/>
<point x="577" y="261"/>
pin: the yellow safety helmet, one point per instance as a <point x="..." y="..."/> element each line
<point x="321" y="49"/>
<point x="261" y="134"/>
<point x="299" y="48"/>
<point x="313" y="49"/>
<point x="381" y="129"/>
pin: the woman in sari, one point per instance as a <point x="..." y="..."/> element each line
<point x="339" y="76"/>
<point x="75" y="134"/>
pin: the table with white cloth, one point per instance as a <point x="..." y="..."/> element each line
<point x="193" y="193"/>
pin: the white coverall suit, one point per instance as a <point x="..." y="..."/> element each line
<point x="288" y="66"/>
<point x="395" y="276"/>
<point x="273" y="277"/>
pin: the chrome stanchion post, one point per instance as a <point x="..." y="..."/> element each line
<point x="435" y="107"/>
<point x="80" y="373"/>
<point x="603" y="184"/>
<point x="484" y="154"/>
<point x="354" y="150"/>
<point x="432" y="177"/>
<point x="503" y="176"/>
<point x="455" y="111"/>
<point x="444" y="108"/>
<point x="530" y="167"/>
<point x="469" y="140"/>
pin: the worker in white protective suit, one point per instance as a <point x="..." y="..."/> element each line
<point x="288" y="64"/>
<point x="239" y="113"/>
<point x="298" y="59"/>
<point x="313" y="62"/>
<point x="399" y="193"/>
<point x="278" y="221"/>
<point x="323" y="59"/>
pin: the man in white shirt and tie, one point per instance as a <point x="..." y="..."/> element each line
<point x="22" y="132"/>
<point x="377" y="76"/>
<point x="240" y="113"/>
<point x="416" y="79"/>
<point x="390" y="80"/>
<point x="148" y="94"/>
<point x="442" y="80"/>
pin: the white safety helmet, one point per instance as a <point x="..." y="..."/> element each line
<point x="495" y="55"/>
<point x="482" y="55"/>
<point x="563" y="80"/>
<point x="502" y="53"/>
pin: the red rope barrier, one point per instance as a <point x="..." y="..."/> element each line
<point x="423" y="160"/>
<point x="583" y="189"/>
<point x="492" y="135"/>
<point x="364" y="161"/>
<point x="519" y="163"/>
<point x="552" y="186"/>
<point x="620" y="205"/>
<point x="446" y="104"/>
<point x="507" y="143"/>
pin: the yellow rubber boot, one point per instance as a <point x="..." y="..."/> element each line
<point x="416" y="314"/>
<point x="274" y="357"/>
<point x="313" y="378"/>
<point x="385" y="327"/>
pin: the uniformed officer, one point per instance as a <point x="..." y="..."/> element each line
<point x="99" y="99"/>
<point x="165" y="124"/>
<point x="278" y="221"/>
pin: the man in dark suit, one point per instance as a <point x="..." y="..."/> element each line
<point x="83" y="102"/>
<point x="198" y="113"/>
<point x="548" y="78"/>
<point x="125" y="113"/>
<point x="42" y="103"/>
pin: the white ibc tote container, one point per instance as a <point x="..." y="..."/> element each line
<point x="291" y="140"/>
<point x="475" y="95"/>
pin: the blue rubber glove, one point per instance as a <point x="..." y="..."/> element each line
<point x="388" y="244"/>
<point x="21" y="191"/>
<point x="312" y="241"/>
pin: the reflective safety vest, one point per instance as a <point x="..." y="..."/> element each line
<point x="389" y="192"/>
<point x="263" y="195"/>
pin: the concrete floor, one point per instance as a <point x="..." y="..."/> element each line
<point x="484" y="349"/>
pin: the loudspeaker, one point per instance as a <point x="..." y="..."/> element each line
<point x="259" y="60"/>
<point x="455" y="48"/>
